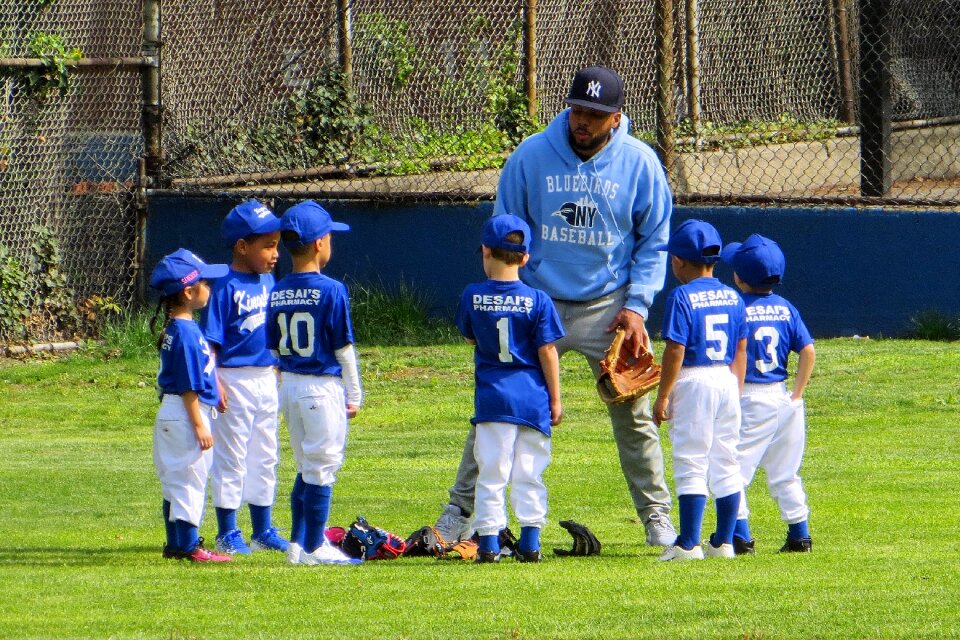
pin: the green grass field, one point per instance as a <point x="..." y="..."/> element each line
<point x="80" y="528"/>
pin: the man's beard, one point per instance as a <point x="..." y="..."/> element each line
<point x="591" y="147"/>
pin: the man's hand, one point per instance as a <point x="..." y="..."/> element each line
<point x="634" y="328"/>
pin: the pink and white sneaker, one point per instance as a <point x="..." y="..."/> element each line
<point x="199" y="554"/>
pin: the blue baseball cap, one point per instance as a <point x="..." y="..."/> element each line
<point x="596" y="88"/>
<point x="310" y="222"/>
<point x="181" y="269"/>
<point x="495" y="232"/>
<point x="694" y="240"/>
<point x="758" y="261"/>
<point x="248" y="218"/>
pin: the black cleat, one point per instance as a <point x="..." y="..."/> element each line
<point x="485" y="557"/>
<point x="803" y="545"/>
<point x="743" y="547"/>
<point x="528" y="556"/>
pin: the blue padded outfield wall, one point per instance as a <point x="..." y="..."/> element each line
<point x="850" y="272"/>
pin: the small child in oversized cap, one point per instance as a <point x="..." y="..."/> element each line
<point x="188" y="392"/>
<point x="773" y="430"/>
<point x="513" y="328"/>
<point x="700" y="379"/>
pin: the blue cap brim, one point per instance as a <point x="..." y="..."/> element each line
<point x="662" y="247"/>
<point x="592" y="105"/>
<point x="214" y="271"/>
<point x="729" y="251"/>
<point x="339" y="226"/>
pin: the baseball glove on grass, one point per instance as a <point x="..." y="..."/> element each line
<point x="624" y="378"/>
<point x="584" y="542"/>
<point x="425" y="541"/>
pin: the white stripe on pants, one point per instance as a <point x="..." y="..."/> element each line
<point x="316" y="412"/>
<point x="181" y="465"/>
<point x="516" y="454"/>
<point x="773" y="436"/>
<point x="704" y="430"/>
<point x="246" y="448"/>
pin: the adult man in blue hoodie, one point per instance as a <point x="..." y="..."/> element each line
<point x="597" y="201"/>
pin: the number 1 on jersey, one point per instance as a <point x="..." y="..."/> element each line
<point x="503" y="331"/>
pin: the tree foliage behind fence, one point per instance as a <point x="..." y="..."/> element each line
<point x="763" y="102"/>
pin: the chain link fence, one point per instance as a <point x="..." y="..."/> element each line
<point x="833" y="102"/>
<point x="69" y="145"/>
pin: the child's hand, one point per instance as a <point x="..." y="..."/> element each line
<point x="204" y="437"/>
<point x="556" y="413"/>
<point x="796" y="396"/>
<point x="352" y="410"/>
<point x="661" y="409"/>
<point x="222" y="405"/>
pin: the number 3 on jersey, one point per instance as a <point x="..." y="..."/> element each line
<point x="297" y="335"/>
<point x="761" y="335"/>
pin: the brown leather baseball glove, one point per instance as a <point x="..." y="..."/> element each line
<point x="624" y="378"/>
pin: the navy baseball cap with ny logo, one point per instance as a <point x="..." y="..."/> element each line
<point x="597" y="88"/>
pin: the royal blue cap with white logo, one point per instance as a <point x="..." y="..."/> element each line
<point x="496" y="229"/>
<point x="758" y="261"/>
<point x="248" y="218"/>
<point x="181" y="269"/>
<point x="596" y="88"/>
<point x="694" y="240"/>
<point x="310" y="222"/>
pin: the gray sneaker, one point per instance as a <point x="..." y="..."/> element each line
<point x="660" y="531"/>
<point x="452" y="525"/>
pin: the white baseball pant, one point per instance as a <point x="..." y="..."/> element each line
<point x="704" y="431"/>
<point x="510" y="453"/>
<point x="773" y="436"/>
<point x="316" y="412"/>
<point x="245" y="446"/>
<point x="181" y="465"/>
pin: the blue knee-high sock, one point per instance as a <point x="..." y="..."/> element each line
<point x="316" y="512"/>
<point x="226" y="520"/>
<point x="691" y="519"/>
<point x="188" y="536"/>
<point x="261" y="518"/>
<point x="490" y="544"/>
<point x="296" y="511"/>
<point x="529" y="539"/>
<point x="727" y="508"/>
<point x="798" y="531"/>
<point x="170" y="527"/>
<point x="742" y="530"/>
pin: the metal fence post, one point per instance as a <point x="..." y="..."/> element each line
<point x="344" y="33"/>
<point x="875" y="104"/>
<point x="150" y="169"/>
<point x="666" y="110"/>
<point x="530" y="55"/>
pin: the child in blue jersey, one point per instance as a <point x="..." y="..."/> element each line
<point x="188" y="396"/>
<point x="246" y="455"/>
<point x="517" y="396"/>
<point x="772" y="433"/>
<point x="700" y="380"/>
<point x="309" y="328"/>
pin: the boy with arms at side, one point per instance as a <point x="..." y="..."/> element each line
<point x="517" y="395"/>
<point x="246" y="455"/>
<point x="188" y="394"/>
<point x="700" y="380"/>
<point x="773" y="433"/>
<point x="309" y="328"/>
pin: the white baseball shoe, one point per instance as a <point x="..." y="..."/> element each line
<point x="327" y="554"/>
<point x="294" y="551"/>
<point x="723" y="551"/>
<point x="660" y="531"/>
<point x="679" y="554"/>
<point x="452" y="525"/>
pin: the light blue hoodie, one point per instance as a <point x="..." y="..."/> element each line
<point x="594" y="223"/>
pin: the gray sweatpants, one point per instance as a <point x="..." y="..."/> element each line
<point x="637" y="437"/>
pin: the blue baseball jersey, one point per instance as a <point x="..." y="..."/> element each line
<point x="707" y="317"/>
<point x="235" y="319"/>
<point x="509" y="321"/>
<point x="187" y="362"/>
<point x="774" y="329"/>
<point x="308" y="319"/>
